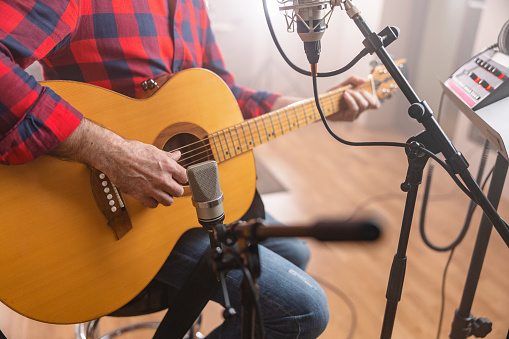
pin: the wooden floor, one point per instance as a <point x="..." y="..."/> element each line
<point x="323" y="179"/>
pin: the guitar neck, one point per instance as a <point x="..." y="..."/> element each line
<point x="243" y="137"/>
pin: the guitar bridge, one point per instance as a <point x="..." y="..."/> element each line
<point x="110" y="203"/>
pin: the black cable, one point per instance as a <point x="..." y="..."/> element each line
<point x="338" y="138"/>
<point x="466" y="225"/>
<point x="450" y="172"/>
<point x="363" y="53"/>
<point x="427" y="188"/>
<point x="383" y="143"/>
<point x="442" y="293"/>
<point x="314" y="75"/>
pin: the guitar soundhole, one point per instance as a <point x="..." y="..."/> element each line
<point x="194" y="150"/>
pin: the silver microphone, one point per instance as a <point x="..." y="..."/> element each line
<point x="312" y="18"/>
<point x="206" y="193"/>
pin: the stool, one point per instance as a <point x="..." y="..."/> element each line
<point x="154" y="298"/>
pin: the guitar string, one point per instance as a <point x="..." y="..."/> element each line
<point x="303" y="107"/>
<point x="337" y="93"/>
<point x="307" y="102"/>
<point x="332" y="95"/>
<point x="276" y="123"/>
<point x="271" y="127"/>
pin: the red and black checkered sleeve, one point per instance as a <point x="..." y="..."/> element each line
<point x="33" y="119"/>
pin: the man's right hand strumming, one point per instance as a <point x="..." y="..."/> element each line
<point x="143" y="171"/>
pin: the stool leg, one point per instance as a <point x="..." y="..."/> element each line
<point x="128" y="328"/>
<point x="194" y="330"/>
<point x="79" y="331"/>
<point x="88" y="330"/>
<point x="93" y="329"/>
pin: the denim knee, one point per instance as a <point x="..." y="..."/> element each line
<point x="314" y="310"/>
<point x="294" y="305"/>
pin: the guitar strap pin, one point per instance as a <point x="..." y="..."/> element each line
<point x="149" y="84"/>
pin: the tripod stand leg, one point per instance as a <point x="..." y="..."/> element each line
<point x="416" y="163"/>
<point x="462" y="322"/>
<point x="397" y="274"/>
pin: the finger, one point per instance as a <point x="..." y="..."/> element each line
<point x="174" y="189"/>
<point x="165" y="199"/>
<point x="179" y="173"/>
<point x="369" y="99"/>
<point x="352" y="80"/>
<point x="360" y="100"/>
<point x="351" y="112"/>
<point x="149" y="202"/>
<point x="373" y="100"/>
<point x="175" y="155"/>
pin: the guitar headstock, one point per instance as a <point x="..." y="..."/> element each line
<point x="383" y="81"/>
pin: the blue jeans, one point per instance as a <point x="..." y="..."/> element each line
<point x="293" y="304"/>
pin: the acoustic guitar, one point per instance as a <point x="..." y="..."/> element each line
<point x="73" y="249"/>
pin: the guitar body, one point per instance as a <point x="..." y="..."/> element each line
<point x="60" y="262"/>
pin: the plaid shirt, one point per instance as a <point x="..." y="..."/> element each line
<point x="113" y="44"/>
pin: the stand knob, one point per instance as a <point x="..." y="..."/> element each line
<point x="481" y="327"/>
<point x="229" y="313"/>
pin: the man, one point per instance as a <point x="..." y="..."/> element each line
<point x="118" y="44"/>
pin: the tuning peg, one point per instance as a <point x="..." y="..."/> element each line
<point x="374" y="64"/>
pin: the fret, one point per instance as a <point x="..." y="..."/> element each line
<point x="233" y="141"/>
<point x="288" y="119"/>
<point x="258" y="130"/>
<point x="238" y="138"/>
<point x="305" y="115"/>
<point x="280" y="122"/>
<point x="217" y="150"/>
<point x="252" y="136"/>
<point x="272" y="123"/>
<point x="245" y="137"/>
<point x="227" y="145"/>
<point x="314" y="108"/>
<point x="265" y="127"/>
<point x="221" y="144"/>
<point x="331" y="101"/>
<point x="296" y="115"/>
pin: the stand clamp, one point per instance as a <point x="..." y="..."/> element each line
<point x="465" y="327"/>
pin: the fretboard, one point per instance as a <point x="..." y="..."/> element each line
<point x="243" y="137"/>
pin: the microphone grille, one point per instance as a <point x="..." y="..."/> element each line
<point x="204" y="181"/>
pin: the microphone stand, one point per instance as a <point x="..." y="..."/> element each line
<point x="248" y="234"/>
<point x="433" y="133"/>
<point x="248" y="260"/>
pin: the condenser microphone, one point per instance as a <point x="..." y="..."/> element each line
<point x="311" y="18"/>
<point x="206" y="193"/>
